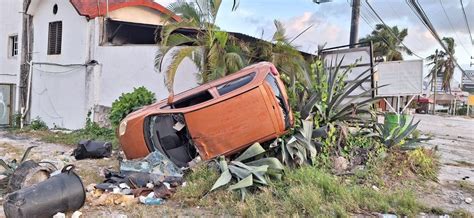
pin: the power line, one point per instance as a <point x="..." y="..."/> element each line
<point x="467" y="23"/>
<point x="390" y="29"/>
<point x="369" y="23"/>
<point x="418" y="10"/>
<point x="452" y="27"/>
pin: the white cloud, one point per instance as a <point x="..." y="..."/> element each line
<point x="321" y="32"/>
<point x="164" y="2"/>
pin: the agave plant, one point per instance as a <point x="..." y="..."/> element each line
<point x="395" y="136"/>
<point x="324" y="114"/>
<point x="248" y="170"/>
<point x="335" y="100"/>
<point x="300" y="148"/>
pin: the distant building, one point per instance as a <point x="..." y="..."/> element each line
<point x="83" y="55"/>
<point x="467" y="83"/>
<point x="10" y="57"/>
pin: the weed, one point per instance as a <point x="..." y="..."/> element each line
<point x="91" y="131"/>
<point x="466" y="186"/>
<point x="305" y="191"/>
<point x="38" y="124"/>
<point x="198" y="183"/>
<point x="437" y="211"/>
<point x="424" y="162"/>
<point x="461" y="213"/>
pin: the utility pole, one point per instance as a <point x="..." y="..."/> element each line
<point x="354" y="35"/>
<point x="435" y="84"/>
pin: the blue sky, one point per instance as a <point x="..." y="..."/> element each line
<point x="331" y="22"/>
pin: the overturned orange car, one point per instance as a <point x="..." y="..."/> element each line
<point x="218" y="118"/>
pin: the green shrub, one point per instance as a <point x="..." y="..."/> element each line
<point x="38" y="124"/>
<point x="128" y="102"/>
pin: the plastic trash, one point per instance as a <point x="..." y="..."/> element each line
<point x="76" y="214"/>
<point x="155" y="163"/>
<point x="154" y="201"/>
<point x="151" y="200"/>
<point x="92" y="149"/>
<point x="27" y="174"/>
<point x="150" y="185"/>
<point x="124" y="186"/>
<point x="61" y="193"/>
<point x="59" y="215"/>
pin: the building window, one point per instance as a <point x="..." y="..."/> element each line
<point x="55" y="33"/>
<point x="55" y="9"/>
<point x="13" y="44"/>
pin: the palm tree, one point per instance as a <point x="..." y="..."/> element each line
<point x="387" y="41"/>
<point x="442" y="64"/>
<point x="215" y="52"/>
<point x="284" y="55"/>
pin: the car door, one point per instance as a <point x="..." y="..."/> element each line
<point x="231" y="124"/>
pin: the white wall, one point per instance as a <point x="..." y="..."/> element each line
<point x="59" y="95"/>
<point x="74" y="45"/>
<point x="62" y="96"/>
<point x="126" y="67"/>
<point x="10" y="24"/>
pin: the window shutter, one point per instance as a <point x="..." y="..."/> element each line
<point x="55" y="33"/>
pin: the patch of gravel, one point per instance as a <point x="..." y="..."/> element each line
<point x="454" y="139"/>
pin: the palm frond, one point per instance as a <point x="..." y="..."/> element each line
<point x="179" y="54"/>
<point x="186" y="10"/>
<point x="234" y="62"/>
<point x="280" y="33"/>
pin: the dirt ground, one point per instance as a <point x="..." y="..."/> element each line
<point x="454" y="139"/>
<point x="13" y="146"/>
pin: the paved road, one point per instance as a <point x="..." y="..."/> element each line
<point x="454" y="138"/>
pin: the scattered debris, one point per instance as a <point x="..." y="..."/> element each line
<point x="468" y="200"/>
<point x="25" y="173"/>
<point x="59" y="215"/>
<point x="149" y="181"/>
<point x="155" y="164"/>
<point x="150" y="199"/>
<point x="60" y="193"/>
<point x="92" y="149"/>
<point x="10" y="167"/>
<point x="29" y="173"/>
<point x="76" y="214"/>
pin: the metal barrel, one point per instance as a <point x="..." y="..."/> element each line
<point x="60" y="193"/>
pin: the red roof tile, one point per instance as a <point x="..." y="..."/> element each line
<point x="96" y="8"/>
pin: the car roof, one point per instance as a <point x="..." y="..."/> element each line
<point x="244" y="71"/>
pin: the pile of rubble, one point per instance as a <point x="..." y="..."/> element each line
<point x="148" y="181"/>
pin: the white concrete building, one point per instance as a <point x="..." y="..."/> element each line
<point x="10" y="37"/>
<point x="86" y="53"/>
